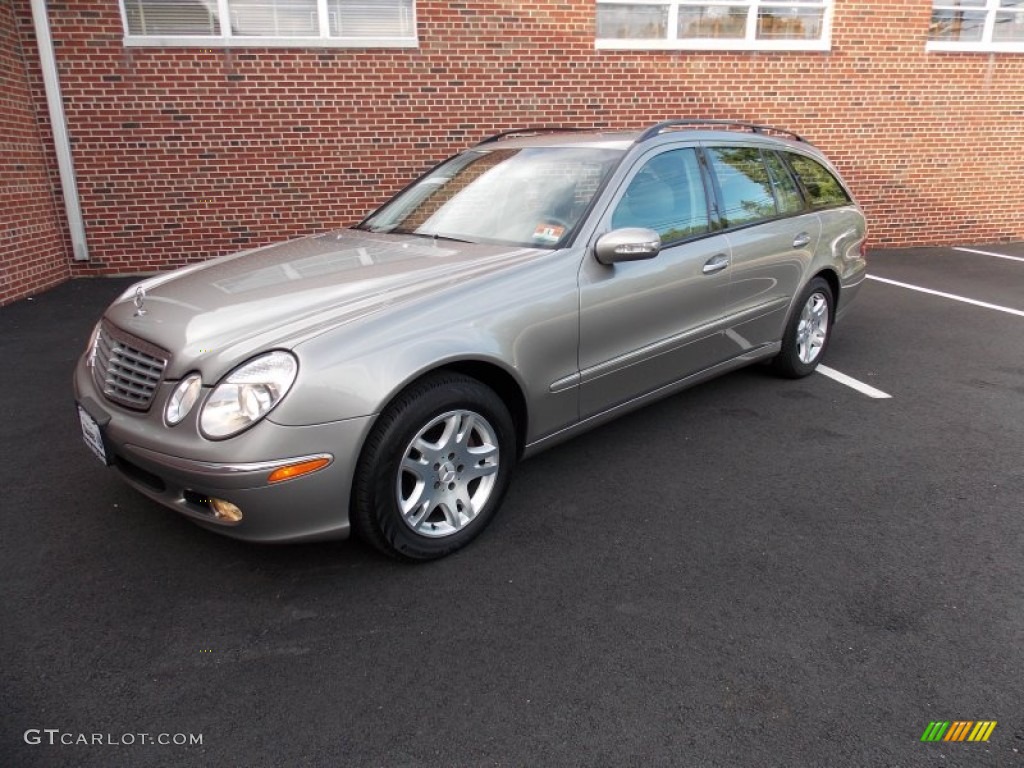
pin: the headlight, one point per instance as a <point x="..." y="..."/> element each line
<point x="247" y="394"/>
<point x="183" y="398"/>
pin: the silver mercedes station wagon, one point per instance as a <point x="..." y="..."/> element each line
<point x="385" y="379"/>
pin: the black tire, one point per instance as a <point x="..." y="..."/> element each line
<point x="790" y="362"/>
<point x="428" y="410"/>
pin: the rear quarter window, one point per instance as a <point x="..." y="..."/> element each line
<point x="822" y="187"/>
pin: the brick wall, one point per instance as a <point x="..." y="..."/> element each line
<point x="183" y="154"/>
<point x="33" y="255"/>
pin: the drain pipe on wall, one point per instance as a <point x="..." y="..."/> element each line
<point x="58" y="123"/>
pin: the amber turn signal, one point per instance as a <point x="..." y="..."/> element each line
<point x="297" y="470"/>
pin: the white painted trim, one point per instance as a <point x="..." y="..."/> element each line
<point x="711" y="44"/>
<point x="217" y="41"/>
<point x="59" y="127"/>
<point x="942" y="46"/>
<point x="953" y="296"/>
<point x="852" y="383"/>
<point x="223" y="17"/>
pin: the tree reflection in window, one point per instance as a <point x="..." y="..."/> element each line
<point x="823" y="189"/>
<point x="744" y="185"/>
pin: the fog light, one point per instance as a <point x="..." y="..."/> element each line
<point x="225" y="510"/>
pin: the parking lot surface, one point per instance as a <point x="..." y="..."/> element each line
<point x="754" y="572"/>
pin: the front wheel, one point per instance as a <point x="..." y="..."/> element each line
<point x="434" y="469"/>
<point x="807" y="332"/>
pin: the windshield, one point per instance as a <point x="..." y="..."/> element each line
<point x="532" y="197"/>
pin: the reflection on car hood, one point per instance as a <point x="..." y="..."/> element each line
<point x="237" y="305"/>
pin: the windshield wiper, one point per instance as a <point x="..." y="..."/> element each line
<point x="396" y="231"/>
<point x="432" y="235"/>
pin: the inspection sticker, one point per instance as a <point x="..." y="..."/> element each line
<point x="548" y="233"/>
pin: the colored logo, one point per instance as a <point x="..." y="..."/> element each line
<point x="958" y="730"/>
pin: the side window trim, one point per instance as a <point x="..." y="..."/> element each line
<point x="792" y="177"/>
<point x="712" y="190"/>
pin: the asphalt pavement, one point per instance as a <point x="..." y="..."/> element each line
<point x="754" y="572"/>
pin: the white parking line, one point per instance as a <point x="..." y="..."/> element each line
<point x="989" y="253"/>
<point x="953" y="296"/>
<point x="860" y="386"/>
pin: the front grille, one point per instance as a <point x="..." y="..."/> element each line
<point x="125" y="368"/>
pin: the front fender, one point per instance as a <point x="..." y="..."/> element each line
<point x="525" y="323"/>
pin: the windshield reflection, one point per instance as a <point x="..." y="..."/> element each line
<point x="532" y="197"/>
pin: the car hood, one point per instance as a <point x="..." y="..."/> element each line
<point x="211" y="316"/>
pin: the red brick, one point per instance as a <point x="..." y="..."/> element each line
<point x="189" y="144"/>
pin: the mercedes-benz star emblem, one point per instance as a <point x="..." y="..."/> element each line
<point x="140" y="298"/>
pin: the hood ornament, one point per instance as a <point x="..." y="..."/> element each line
<point x="140" y="298"/>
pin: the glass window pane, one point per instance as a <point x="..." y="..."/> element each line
<point x="274" y="18"/>
<point x="775" y="23"/>
<point x="744" y="185"/>
<point x="823" y="189"/>
<point x="638" y="22"/>
<point x="787" y="194"/>
<point x="712" y="21"/>
<point x="371" y="18"/>
<point x="532" y="197"/>
<point x="172" y="17"/>
<point x="1009" y="27"/>
<point x="666" y="195"/>
<point x="957" y="26"/>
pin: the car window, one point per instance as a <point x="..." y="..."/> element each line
<point x="787" y="193"/>
<point x="666" y="195"/>
<point x="532" y="197"/>
<point x="823" y="189"/>
<point x="743" y="183"/>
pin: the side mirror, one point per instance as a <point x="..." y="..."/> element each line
<point x="627" y="244"/>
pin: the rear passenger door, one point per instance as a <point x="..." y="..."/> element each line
<point x="772" y="235"/>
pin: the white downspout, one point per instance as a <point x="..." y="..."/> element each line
<point x="59" y="126"/>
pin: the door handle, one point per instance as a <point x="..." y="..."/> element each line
<point x="801" y="240"/>
<point x="716" y="264"/>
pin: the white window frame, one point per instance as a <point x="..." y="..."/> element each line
<point x="227" y="40"/>
<point x="749" y="43"/>
<point x="986" y="44"/>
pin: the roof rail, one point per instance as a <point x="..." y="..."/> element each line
<point x="527" y="132"/>
<point x="668" y="125"/>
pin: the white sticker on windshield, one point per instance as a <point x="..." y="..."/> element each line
<point x="548" y="233"/>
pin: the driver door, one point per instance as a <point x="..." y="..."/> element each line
<point x="646" y="324"/>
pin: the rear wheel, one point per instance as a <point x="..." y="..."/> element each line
<point x="808" y="331"/>
<point x="434" y="469"/>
